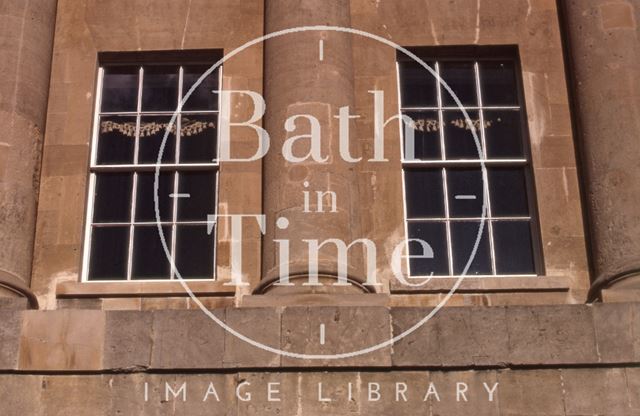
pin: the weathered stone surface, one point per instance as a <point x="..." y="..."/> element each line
<point x="616" y="332"/>
<point x="21" y="395"/>
<point x="465" y="392"/>
<point x="261" y="325"/>
<point x="419" y="348"/>
<point x="128" y="340"/>
<point x="596" y="391"/>
<point x="187" y="339"/>
<point x="346" y="329"/>
<point x="62" y="340"/>
<point x="13" y="303"/>
<point x="551" y="335"/>
<point x="10" y="327"/>
<point x="76" y="395"/>
<point x="253" y="395"/>
<point x="633" y="386"/>
<point x="535" y="392"/>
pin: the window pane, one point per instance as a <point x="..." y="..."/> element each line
<point x="198" y="138"/>
<point x="203" y="97"/>
<point x="194" y="252"/>
<point x="464" y="235"/>
<point x="426" y="127"/>
<point x="145" y="205"/>
<point x="498" y="83"/>
<point x="514" y="249"/>
<point x="465" y="192"/>
<point x="508" y="190"/>
<point x="112" y="198"/>
<point x="160" y="88"/>
<point x="109" y="250"/>
<point x="120" y="89"/>
<point x="417" y="85"/>
<point x="425" y="197"/>
<point x="434" y="234"/>
<point x="149" y="258"/>
<point x="116" y="140"/>
<point x="152" y="131"/>
<point x="503" y="134"/>
<point x="201" y="187"/>
<point x="458" y="135"/>
<point x="461" y="78"/>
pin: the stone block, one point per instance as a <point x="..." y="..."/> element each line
<point x="13" y="303"/>
<point x="210" y="394"/>
<point x="346" y="330"/>
<point x="332" y="393"/>
<point x="21" y="395"/>
<point x="128" y="339"/>
<point x="393" y="393"/>
<point x="286" y="398"/>
<point x="187" y="339"/>
<point x="261" y="325"/>
<point x="464" y="393"/>
<point x="596" y="391"/>
<point x="78" y="395"/>
<point x="472" y="336"/>
<point x="614" y="331"/>
<point x="633" y="389"/>
<point x="532" y="393"/>
<point x="62" y="340"/>
<point x="420" y="347"/>
<point x="10" y="326"/>
<point x="547" y="335"/>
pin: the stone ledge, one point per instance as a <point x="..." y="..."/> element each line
<point x="137" y="289"/>
<point x="457" y="337"/>
<point x="485" y="285"/>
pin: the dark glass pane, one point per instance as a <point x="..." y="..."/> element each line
<point x="116" y="140"/>
<point x="503" y="134"/>
<point x="513" y="246"/>
<point x="425" y="197"/>
<point x="498" y="83"/>
<point x="465" y="192"/>
<point x="152" y="131"/>
<point x="201" y="187"/>
<point x="461" y="78"/>
<point x="194" y="252"/>
<point x="426" y="127"/>
<point x="508" y="190"/>
<point x="145" y="205"/>
<point x="160" y="88"/>
<point x="149" y="258"/>
<point x="198" y="138"/>
<point x="417" y="85"/>
<point x="464" y="235"/>
<point x="109" y="250"/>
<point x="458" y="135"/>
<point x="434" y="234"/>
<point x="120" y="89"/>
<point x="112" y="198"/>
<point x="205" y="96"/>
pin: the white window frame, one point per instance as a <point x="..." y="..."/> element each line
<point x="443" y="163"/>
<point x="135" y="168"/>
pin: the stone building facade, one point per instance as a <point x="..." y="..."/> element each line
<point x="558" y="336"/>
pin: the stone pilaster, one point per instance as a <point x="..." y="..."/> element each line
<point x="26" y="30"/>
<point x="300" y="79"/>
<point x="604" y="59"/>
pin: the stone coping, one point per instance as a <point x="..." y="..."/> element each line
<point x="472" y="284"/>
<point x="457" y="337"/>
<point x="139" y="288"/>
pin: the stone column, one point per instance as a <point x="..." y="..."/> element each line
<point x="299" y="79"/>
<point x="604" y="50"/>
<point x="26" y="30"/>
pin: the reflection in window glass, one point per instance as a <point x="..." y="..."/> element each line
<point x="150" y="261"/>
<point x="499" y="86"/>
<point x="194" y="252"/>
<point x="205" y="96"/>
<point x="152" y="132"/>
<point x="198" y="138"/>
<point x="426" y="127"/>
<point x="109" y="249"/>
<point x="160" y="88"/>
<point x="116" y="140"/>
<point x="418" y="85"/>
<point x="458" y="135"/>
<point x="120" y="89"/>
<point x="503" y="132"/>
<point x="461" y="79"/>
<point x="434" y="234"/>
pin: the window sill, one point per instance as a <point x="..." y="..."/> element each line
<point x="141" y="289"/>
<point x="485" y="285"/>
